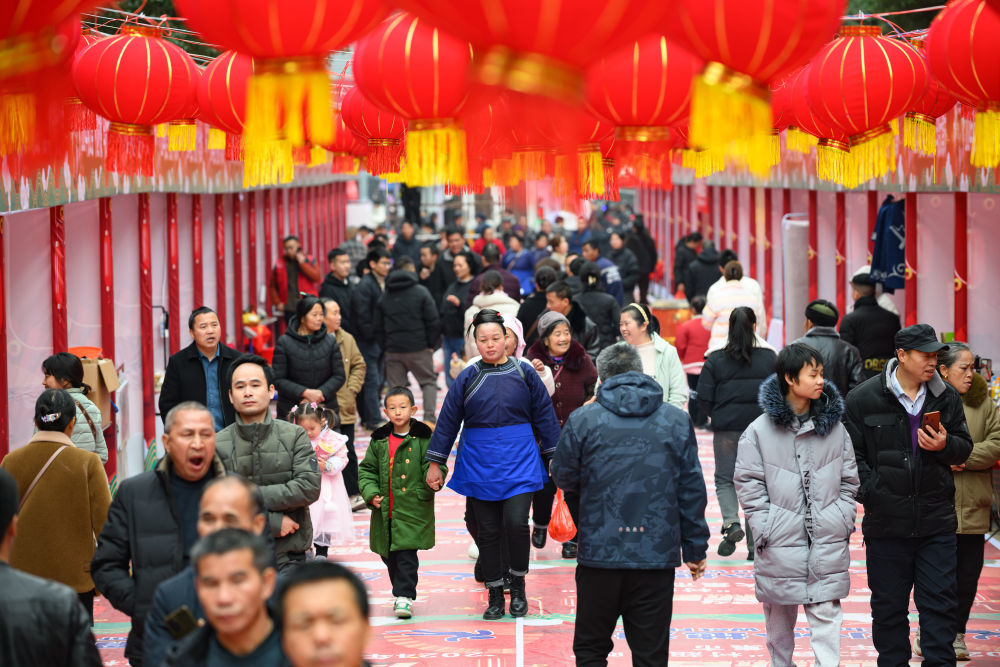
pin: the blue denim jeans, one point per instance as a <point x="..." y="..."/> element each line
<point x="368" y="400"/>
<point x="449" y="346"/>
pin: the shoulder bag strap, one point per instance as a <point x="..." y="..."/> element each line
<point x="90" y="422"/>
<point x="41" y="472"/>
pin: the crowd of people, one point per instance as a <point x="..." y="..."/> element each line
<point x="557" y="378"/>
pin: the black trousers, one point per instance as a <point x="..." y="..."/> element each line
<point x="473" y="528"/>
<point x="403" y="566"/>
<point x="643" y="598"/>
<point x="969" y="565"/>
<point x="350" y="473"/>
<point x="643" y="284"/>
<point x="927" y="566"/>
<point x="87" y="600"/>
<point x="698" y="418"/>
<point x="498" y="522"/>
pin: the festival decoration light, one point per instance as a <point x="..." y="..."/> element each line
<point x="384" y="132"/>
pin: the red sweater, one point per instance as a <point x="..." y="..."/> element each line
<point x="691" y="343"/>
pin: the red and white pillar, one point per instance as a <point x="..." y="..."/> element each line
<point x="146" y="317"/>
<point x="173" y="274"/>
<point x="107" y="267"/>
<point x="57" y="234"/>
<point x="961" y="266"/>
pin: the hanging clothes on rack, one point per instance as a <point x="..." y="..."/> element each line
<point x="889" y="254"/>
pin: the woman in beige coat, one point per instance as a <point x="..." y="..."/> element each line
<point x="59" y="520"/>
<point x="973" y="482"/>
<point x="354" y="371"/>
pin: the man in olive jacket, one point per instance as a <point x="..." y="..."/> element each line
<point x="275" y="455"/>
<point x="908" y="492"/>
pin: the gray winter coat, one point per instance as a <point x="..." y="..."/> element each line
<point x="797" y="484"/>
<point x="83" y="435"/>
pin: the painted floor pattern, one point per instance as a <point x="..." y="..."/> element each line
<point x="717" y="621"/>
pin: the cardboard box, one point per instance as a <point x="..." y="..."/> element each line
<point x="100" y="376"/>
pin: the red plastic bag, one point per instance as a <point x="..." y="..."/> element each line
<point x="561" y="526"/>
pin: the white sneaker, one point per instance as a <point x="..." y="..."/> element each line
<point x="403" y="607"/>
<point x="961" y="650"/>
<point x="473" y="551"/>
<point x="916" y="643"/>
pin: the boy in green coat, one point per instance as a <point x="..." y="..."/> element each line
<point x="392" y="481"/>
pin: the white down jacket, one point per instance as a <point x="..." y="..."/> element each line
<point x="797" y="484"/>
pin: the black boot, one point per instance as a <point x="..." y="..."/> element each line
<point x="569" y="549"/>
<point x="518" y="598"/>
<point x="477" y="571"/>
<point x="538" y="537"/>
<point x="496" y="607"/>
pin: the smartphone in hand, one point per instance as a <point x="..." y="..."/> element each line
<point x="932" y="419"/>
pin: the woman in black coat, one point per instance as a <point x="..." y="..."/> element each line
<point x="643" y="247"/>
<point x="628" y="265"/>
<point x="600" y="306"/>
<point x="307" y="361"/>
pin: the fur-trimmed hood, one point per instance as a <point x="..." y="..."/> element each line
<point x="418" y="429"/>
<point x="824" y="413"/>
<point x="573" y="359"/>
<point x="977" y="392"/>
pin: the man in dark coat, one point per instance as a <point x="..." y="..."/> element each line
<point x="406" y="244"/>
<point x="294" y="273"/>
<point x="366" y="295"/>
<point x="152" y="522"/>
<point x="491" y="258"/>
<point x="409" y="329"/>
<point x="643" y="247"/>
<point x="702" y="272"/>
<point x="841" y="360"/>
<point x="337" y="286"/>
<point x="685" y="252"/>
<point x="202" y="364"/>
<point x="869" y="327"/>
<point x="633" y="460"/>
<point x="535" y="303"/>
<point x="611" y="279"/>
<point x="585" y="332"/>
<point x="908" y="491"/>
<point x="431" y="273"/>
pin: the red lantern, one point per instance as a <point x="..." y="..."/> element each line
<point x="80" y="117"/>
<point x="182" y="133"/>
<point x="408" y="67"/>
<point x="833" y="146"/>
<point x="382" y="130"/>
<point x="611" y="169"/>
<point x="485" y="124"/>
<point x="962" y="53"/>
<point x="341" y="149"/>
<point x="919" y="131"/>
<point x="289" y="95"/>
<point x="859" y="83"/>
<point x="746" y="44"/>
<point x="136" y="80"/>
<point x="222" y="94"/>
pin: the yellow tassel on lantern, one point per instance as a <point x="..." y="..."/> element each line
<point x="182" y="135"/>
<point x="266" y="162"/>
<point x="531" y="163"/>
<point x="317" y="156"/>
<point x="503" y="172"/>
<point x="611" y="180"/>
<point x="920" y="133"/>
<point x="761" y="152"/>
<point x="986" y="138"/>
<point x="590" y="173"/>
<point x="832" y="158"/>
<point x="565" y="178"/>
<point x="799" y="141"/>
<point x="727" y="108"/>
<point x="278" y="94"/>
<point x="216" y="139"/>
<point x="435" y="154"/>
<point x="17" y="121"/>
<point x="872" y="154"/>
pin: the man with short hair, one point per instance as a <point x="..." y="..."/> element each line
<point x="685" y="252"/>
<point x="337" y="286"/>
<point x="366" y="295"/>
<point x="199" y="371"/>
<point x="323" y="608"/>
<point x="454" y="243"/>
<point x="633" y="460"/>
<point x="559" y="299"/>
<point x="869" y="327"/>
<point x="354" y="244"/>
<point x="431" y="275"/>
<point x="908" y="428"/>
<point x="41" y="622"/>
<point x="293" y="273"/>
<point x="491" y="258"/>
<point x="226" y="502"/>
<point x="611" y="279"/>
<point x="274" y="454"/>
<point x="234" y="579"/>
<point x="152" y="522"/>
<point x="406" y="244"/>
<point x="841" y="360"/>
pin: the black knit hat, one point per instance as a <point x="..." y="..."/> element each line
<point x="822" y="313"/>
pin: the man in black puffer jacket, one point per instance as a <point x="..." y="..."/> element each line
<point x="908" y="493"/>
<point x="409" y="329"/>
<point x="152" y="522"/>
<point x="841" y="360"/>
<point x="703" y="272"/>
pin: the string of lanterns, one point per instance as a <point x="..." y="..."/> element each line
<point x="593" y="95"/>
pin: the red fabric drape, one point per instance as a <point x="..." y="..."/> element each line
<point x="220" y="262"/>
<point x="910" y="316"/>
<point x="768" y="254"/>
<point x="813" y="244"/>
<point x="961" y="266"/>
<point x="57" y="233"/>
<point x="146" y="317"/>
<point x="4" y="424"/>
<point x="198" y="284"/>
<point x="108" y="315"/>
<point x="252" y="250"/>
<point x="872" y="218"/>
<point x="173" y="274"/>
<point x="239" y="298"/>
<point x="753" y="233"/>
<point x="840" y="213"/>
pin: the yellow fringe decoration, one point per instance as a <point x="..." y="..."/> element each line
<point x="216" y="139"/>
<point x="503" y="172"/>
<point x="920" y="134"/>
<point x="266" y="162"/>
<point x="564" y="180"/>
<point x="799" y="141"/>
<point x="708" y="162"/>
<point x="590" y="174"/>
<point x="17" y="122"/>
<point x="435" y="156"/>
<point x="393" y="178"/>
<point x="986" y="139"/>
<point x="871" y="157"/>
<point x="276" y="101"/>
<point x="182" y="135"/>
<point x="725" y="109"/>
<point x="489" y="178"/>
<point x="531" y="164"/>
<point x="832" y="165"/>
<point x="317" y="156"/>
<point x="761" y="153"/>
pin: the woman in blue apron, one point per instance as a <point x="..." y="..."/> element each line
<point x="502" y="404"/>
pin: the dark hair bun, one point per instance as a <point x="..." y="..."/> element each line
<point x="54" y="410"/>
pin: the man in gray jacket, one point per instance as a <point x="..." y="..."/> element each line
<point x="275" y="455"/>
<point x="797" y="478"/>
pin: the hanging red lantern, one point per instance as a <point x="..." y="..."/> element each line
<point x="289" y="94"/>
<point x="859" y="83"/>
<point x="919" y="124"/>
<point x="408" y="67"/>
<point x="383" y="131"/>
<point x="136" y="80"/>
<point x="833" y="146"/>
<point x="182" y="133"/>
<point x="81" y="118"/>
<point x="342" y="158"/>
<point x="486" y="123"/>
<point x="747" y="44"/>
<point x="611" y="169"/>
<point x="222" y="94"/>
<point x="961" y="50"/>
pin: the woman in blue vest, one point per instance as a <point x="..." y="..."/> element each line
<point x="501" y="403"/>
